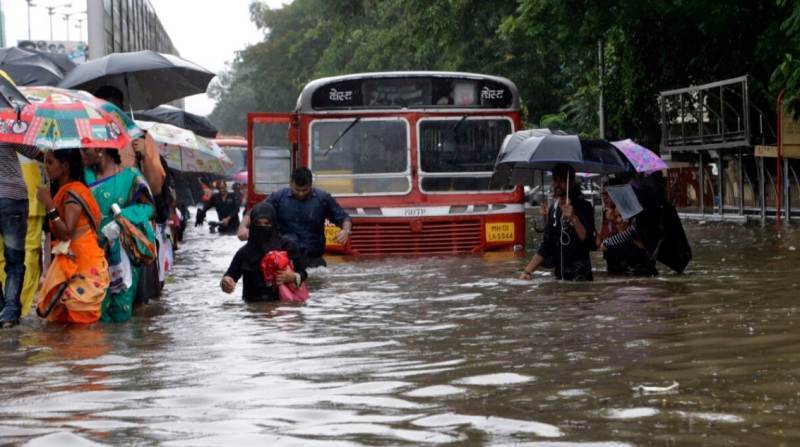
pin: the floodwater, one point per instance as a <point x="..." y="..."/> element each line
<point x="448" y="351"/>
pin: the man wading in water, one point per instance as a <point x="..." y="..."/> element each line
<point x="569" y="231"/>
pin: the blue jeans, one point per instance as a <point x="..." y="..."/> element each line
<point x="13" y="225"/>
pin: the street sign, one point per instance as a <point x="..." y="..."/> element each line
<point x="789" y="151"/>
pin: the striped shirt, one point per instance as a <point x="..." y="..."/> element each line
<point x="12" y="184"/>
<point x="623" y="237"/>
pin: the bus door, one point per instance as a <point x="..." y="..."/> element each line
<point x="271" y="153"/>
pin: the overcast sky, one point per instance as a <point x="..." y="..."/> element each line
<point x="207" y="32"/>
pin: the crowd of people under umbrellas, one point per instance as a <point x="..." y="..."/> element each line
<point x="105" y="198"/>
<point x="113" y="226"/>
<point x="110" y="204"/>
<point x="638" y="225"/>
<point x="113" y="221"/>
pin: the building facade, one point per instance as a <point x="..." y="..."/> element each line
<point x="116" y="26"/>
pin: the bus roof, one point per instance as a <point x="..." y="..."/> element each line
<point x="394" y="90"/>
<point x="241" y="142"/>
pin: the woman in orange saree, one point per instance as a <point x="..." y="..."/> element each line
<point x="77" y="279"/>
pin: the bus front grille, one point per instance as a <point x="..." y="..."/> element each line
<point x="419" y="237"/>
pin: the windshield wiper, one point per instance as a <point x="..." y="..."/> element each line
<point x="455" y="127"/>
<point x="341" y="135"/>
<point x="450" y="132"/>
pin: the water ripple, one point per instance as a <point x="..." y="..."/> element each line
<point x="450" y="350"/>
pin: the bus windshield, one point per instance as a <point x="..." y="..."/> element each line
<point x="458" y="154"/>
<point x="238" y="156"/>
<point x="371" y="157"/>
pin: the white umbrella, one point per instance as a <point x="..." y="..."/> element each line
<point x="186" y="151"/>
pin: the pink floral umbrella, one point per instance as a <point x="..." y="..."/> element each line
<point x="642" y="158"/>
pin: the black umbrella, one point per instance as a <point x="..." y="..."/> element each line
<point x="60" y="60"/>
<point x="27" y="68"/>
<point x="525" y="152"/>
<point x="657" y="223"/>
<point x="146" y="78"/>
<point x="178" y="117"/>
<point x="10" y="96"/>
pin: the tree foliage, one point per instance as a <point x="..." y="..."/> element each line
<point x="787" y="75"/>
<point x="549" y="48"/>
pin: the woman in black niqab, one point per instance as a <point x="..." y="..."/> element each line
<point x="264" y="237"/>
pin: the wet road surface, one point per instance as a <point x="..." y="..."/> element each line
<point x="448" y="351"/>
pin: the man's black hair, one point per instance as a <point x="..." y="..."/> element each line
<point x="110" y="94"/>
<point x="301" y="177"/>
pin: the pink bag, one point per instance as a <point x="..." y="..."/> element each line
<point x="274" y="261"/>
<point x="292" y="294"/>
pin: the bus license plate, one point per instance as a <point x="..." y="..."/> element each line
<point x="500" y="232"/>
<point x="330" y="232"/>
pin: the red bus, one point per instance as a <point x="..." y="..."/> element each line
<point x="408" y="154"/>
<point x="236" y="149"/>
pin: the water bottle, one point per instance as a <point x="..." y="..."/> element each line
<point x="112" y="230"/>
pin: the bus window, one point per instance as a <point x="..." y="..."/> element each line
<point x="458" y="154"/>
<point x="272" y="166"/>
<point x="369" y="156"/>
<point x="238" y="156"/>
<point x="271" y="155"/>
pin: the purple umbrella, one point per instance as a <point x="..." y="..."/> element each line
<point x="642" y="158"/>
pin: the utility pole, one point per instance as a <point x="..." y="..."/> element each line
<point x="30" y="4"/>
<point x="2" y="26"/>
<point x="80" y="29"/>
<point x="51" y="12"/>
<point x="66" y="18"/>
<point x="600" y="64"/>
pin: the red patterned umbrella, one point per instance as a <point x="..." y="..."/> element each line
<point x="65" y="119"/>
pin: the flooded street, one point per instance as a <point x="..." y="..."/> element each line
<point x="431" y="351"/>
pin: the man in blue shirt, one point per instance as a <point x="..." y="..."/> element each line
<point x="302" y="211"/>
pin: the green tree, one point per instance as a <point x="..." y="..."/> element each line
<point x="787" y="74"/>
<point x="651" y="45"/>
<point x="547" y="47"/>
<point x="308" y="39"/>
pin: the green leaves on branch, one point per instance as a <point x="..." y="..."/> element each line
<point x="547" y="47"/>
<point x="787" y="75"/>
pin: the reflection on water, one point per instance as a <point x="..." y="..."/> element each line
<point x="431" y="351"/>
